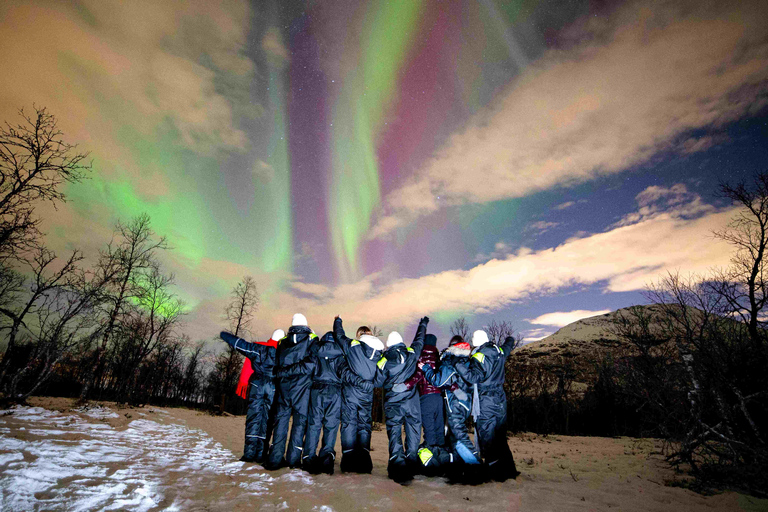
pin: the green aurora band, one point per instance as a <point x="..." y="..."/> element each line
<point x="359" y="112"/>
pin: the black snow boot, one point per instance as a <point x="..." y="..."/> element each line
<point x="326" y="464"/>
<point x="269" y="466"/>
<point x="349" y="462"/>
<point x="363" y="462"/>
<point x="399" y="472"/>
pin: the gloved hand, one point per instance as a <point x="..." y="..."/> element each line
<point x="399" y="388"/>
<point x="425" y="320"/>
<point x="461" y="395"/>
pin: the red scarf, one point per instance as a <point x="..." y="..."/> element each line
<point x="247" y="371"/>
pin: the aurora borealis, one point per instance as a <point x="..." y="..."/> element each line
<point x="531" y="161"/>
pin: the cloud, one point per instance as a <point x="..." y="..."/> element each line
<point x="563" y="318"/>
<point x="541" y="226"/>
<point x="104" y="66"/>
<point x="500" y="250"/>
<point x="625" y="258"/>
<point x="656" y="199"/>
<point x="618" y="93"/>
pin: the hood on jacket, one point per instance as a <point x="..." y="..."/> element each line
<point x="479" y="338"/>
<point x="429" y="355"/>
<point x="393" y="339"/>
<point x="327" y="347"/>
<point x="299" y="319"/>
<point x="459" y="349"/>
<point x="299" y="329"/>
<point x="372" y="341"/>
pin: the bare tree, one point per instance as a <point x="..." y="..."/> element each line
<point x="460" y="327"/>
<point x="500" y="331"/>
<point x="34" y="162"/>
<point x="131" y="260"/>
<point x="62" y="309"/>
<point x="239" y="313"/>
<point x="149" y="328"/>
<point x="743" y="284"/>
<point x="43" y="282"/>
<point x="242" y="307"/>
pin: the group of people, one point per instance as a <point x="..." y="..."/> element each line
<point x="321" y="383"/>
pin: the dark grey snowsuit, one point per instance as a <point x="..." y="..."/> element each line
<point x="261" y="393"/>
<point x="331" y="371"/>
<point x="357" y="399"/>
<point x="402" y="408"/>
<point x="294" y="378"/>
<point x="486" y="369"/>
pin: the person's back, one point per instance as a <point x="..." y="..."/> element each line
<point x="325" y="405"/>
<point x="485" y="369"/>
<point x="294" y="368"/>
<point x="261" y="392"/>
<point x="430" y="398"/>
<point x="401" y="404"/>
<point x="361" y="356"/>
<point x="458" y="405"/>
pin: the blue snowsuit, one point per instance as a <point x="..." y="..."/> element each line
<point x="357" y="398"/>
<point x="294" y="379"/>
<point x="486" y="369"/>
<point x="261" y="393"/>
<point x="402" y="408"/>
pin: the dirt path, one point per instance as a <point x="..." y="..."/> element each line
<point x="559" y="473"/>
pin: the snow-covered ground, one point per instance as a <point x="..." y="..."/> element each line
<point x="56" y="461"/>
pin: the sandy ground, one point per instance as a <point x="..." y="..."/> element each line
<point x="559" y="473"/>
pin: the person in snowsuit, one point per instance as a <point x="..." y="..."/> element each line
<point x="294" y="368"/>
<point x="401" y="405"/>
<point x="261" y="391"/>
<point x="361" y="354"/>
<point x="432" y="452"/>
<point x="485" y="369"/>
<point x="458" y="406"/>
<point x="330" y="372"/>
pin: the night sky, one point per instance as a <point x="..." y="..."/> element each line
<point x="530" y="161"/>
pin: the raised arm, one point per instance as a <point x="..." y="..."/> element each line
<point x="418" y="340"/>
<point x="508" y="346"/>
<point x="244" y="347"/>
<point x="340" y="337"/>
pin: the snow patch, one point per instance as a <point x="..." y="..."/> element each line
<point x="70" y="463"/>
<point x="97" y="411"/>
